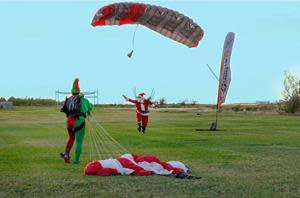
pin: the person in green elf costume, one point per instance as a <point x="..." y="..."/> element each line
<point x="77" y="109"/>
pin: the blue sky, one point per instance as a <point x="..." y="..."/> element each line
<point x="44" y="45"/>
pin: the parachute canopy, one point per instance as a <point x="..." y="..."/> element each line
<point x="167" y="22"/>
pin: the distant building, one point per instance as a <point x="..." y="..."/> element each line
<point x="6" y="105"/>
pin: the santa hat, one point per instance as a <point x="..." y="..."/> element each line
<point x="141" y="94"/>
<point x="75" y="88"/>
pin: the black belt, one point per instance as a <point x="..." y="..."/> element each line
<point x="139" y="111"/>
<point x="77" y="128"/>
<point x="76" y="115"/>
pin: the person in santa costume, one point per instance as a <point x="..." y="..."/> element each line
<point x="77" y="109"/>
<point x="142" y="110"/>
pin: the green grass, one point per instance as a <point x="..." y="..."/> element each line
<point x="252" y="155"/>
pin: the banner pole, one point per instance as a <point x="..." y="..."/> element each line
<point x="217" y="112"/>
<point x="214" y="125"/>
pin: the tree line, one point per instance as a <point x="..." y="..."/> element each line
<point x="29" y="101"/>
<point x="290" y="102"/>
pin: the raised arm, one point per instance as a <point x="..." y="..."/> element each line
<point x="151" y="102"/>
<point x="129" y="99"/>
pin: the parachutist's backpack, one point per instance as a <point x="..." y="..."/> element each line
<point x="72" y="106"/>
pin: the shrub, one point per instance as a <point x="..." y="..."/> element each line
<point x="290" y="93"/>
<point x="237" y="108"/>
<point x="31" y="101"/>
<point x="162" y="102"/>
<point x="183" y="103"/>
<point x="193" y="102"/>
<point x="254" y="108"/>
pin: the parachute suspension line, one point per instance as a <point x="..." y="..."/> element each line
<point x="103" y="149"/>
<point x="134" y="91"/>
<point x="112" y="146"/>
<point x="122" y="149"/>
<point x="109" y="146"/>
<point x="152" y="93"/>
<point x="101" y="140"/>
<point x="96" y="145"/>
<point x="90" y="142"/>
<point x="133" y="39"/>
<point x="103" y="143"/>
<point x="119" y="148"/>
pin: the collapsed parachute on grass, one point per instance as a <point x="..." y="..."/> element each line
<point x="135" y="165"/>
<point x="167" y="22"/>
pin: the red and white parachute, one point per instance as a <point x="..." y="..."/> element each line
<point x="135" y="165"/>
<point x="167" y="22"/>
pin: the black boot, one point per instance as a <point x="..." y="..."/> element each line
<point x="143" y="129"/>
<point x="139" y="127"/>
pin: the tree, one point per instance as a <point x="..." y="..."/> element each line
<point x="11" y="99"/>
<point x="290" y="93"/>
<point x="162" y="102"/>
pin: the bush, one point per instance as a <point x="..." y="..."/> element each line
<point x="187" y="103"/>
<point x="193" y="102"/>
<point x="237" y="108"/>
<point x="162" y="102"/>
<point x="31" y="101"/>
<point x="182" y="103"/>
<point x="254" y="108"/>
<point x="290" y="93"/>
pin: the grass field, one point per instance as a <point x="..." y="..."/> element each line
<point x="253" y="154"/>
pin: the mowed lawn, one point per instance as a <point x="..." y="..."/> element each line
<point x="252" y="155"/>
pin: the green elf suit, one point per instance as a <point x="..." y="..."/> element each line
<point x="77" y="108"/>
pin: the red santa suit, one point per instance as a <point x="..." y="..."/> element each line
<point x="142" y="108"/>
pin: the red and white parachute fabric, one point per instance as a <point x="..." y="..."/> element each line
<point x="135" y="165"/>
<point x="167" y="22"/>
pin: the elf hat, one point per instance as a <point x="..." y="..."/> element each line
<point x="75" y="88"/>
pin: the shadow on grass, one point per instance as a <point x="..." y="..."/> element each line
<point x="208" y="130"/>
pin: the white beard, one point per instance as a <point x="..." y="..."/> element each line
<point x="140" y="100"/>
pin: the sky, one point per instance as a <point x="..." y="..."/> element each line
<point x="44" y="45"/>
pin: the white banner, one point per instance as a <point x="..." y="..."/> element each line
<point x="225" y="71"/>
